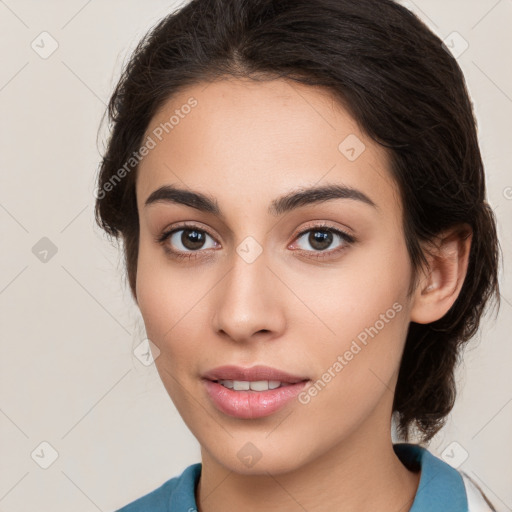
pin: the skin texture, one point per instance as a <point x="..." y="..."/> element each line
<point x="245" y="144"/>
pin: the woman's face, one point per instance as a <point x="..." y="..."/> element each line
<point x="257" y="280"/>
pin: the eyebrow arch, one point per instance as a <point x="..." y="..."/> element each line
<point x="283" y="204"/>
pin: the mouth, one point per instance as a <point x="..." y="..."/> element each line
<point x="255" y="385"/>
<point x="250" y="393"/>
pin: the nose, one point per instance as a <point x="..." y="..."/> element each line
<point x="249" y="301"/>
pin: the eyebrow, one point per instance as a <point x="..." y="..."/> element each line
<point x="283" y="204"/>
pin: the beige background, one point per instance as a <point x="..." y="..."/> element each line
<point x="68" y="376"/>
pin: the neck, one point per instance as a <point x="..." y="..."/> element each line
<point x="362" y="473"/>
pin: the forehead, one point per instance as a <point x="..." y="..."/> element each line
<point x="242" y="140"/>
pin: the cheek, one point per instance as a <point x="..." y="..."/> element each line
<point x="167" y="305"/>
<point x="157" y="295"/>
<point x="360" y="292"/>
<point x="366" y="309"/>
<point x="171" y="301"/>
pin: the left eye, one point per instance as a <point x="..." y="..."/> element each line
<point x="321" y="238"/>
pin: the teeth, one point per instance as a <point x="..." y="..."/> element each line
<point x="259" y="385"/>
<point x="256" y="385"/>
<point x="241" y="385"/>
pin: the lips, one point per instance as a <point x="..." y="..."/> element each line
<point x="250" y="393"/>
<point x="255" y="373"/>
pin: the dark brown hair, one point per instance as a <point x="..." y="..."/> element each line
<point x="406" y="92"/>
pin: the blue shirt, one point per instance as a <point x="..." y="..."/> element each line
<point x="441" y="487"/>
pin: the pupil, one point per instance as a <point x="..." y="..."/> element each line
<point x="192" y="239"/>
<point x="320" y="239"/>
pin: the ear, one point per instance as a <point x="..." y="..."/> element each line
<point x="442" y="280"/>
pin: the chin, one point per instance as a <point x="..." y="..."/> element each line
<point x="255" y="455"/>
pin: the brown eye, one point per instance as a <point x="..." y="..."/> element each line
<point x="321" y="239"/>
<point x="186" y="240"/>
<point x="192" y="239"/>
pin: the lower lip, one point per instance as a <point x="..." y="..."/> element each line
<point x="251" y="404"/>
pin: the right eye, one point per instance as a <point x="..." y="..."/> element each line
<point x="184" y="241"/>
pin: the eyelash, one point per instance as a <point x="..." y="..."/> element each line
<point x="346" y="238"/>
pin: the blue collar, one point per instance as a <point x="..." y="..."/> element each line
<point x="441" y="487"/>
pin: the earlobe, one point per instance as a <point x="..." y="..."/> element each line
<point x="442" y="280"/>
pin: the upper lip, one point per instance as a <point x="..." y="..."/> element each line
<point x="254" y="373"/>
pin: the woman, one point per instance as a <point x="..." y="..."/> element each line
<point x="301" y="197"/>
